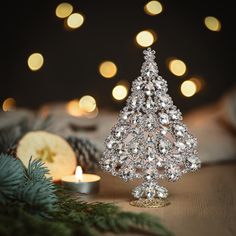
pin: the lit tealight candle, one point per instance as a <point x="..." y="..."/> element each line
<point x="82" y="183"/>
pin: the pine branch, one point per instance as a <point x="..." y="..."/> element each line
<point x="105" y="217"/>
<point x="37" y="191"/>
<point x="11" y="176"/>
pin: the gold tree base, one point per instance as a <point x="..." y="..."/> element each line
<point x="150" y="203"/>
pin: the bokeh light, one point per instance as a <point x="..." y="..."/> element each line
<point x="87" y="103"/>
<point x="9" y="104"/>
<point x="75" y="20"/>
<point x="108" y="69"/>
<point x="153" y="8"/>
<point x="64" y="9"/>
<point x="188" y="88"/>
<point x="35" y="61"/>
<point x="92" y="114"/>
<point x="145" y="38"/>
<point x="199" y="82"/>
<point x="177" y="67"/>
<point x="119" y="92"/>
<point x="212" y="23"/>
<point x="73" y="108"/>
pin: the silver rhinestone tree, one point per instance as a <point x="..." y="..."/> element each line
<point x="150" y="141"/>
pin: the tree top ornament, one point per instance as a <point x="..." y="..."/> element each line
<point x="150" y="141"/>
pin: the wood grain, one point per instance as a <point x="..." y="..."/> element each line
<point x="203" y="203"/>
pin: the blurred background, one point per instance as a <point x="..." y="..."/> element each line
<point x="85" y="54"/>
<point x="59" y="51"/>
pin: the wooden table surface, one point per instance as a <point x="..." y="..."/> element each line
<point x="202" y="203"/>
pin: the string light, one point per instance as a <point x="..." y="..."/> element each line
<point x="35" y="61"/>
<point x="177" y="67"/>
<point x="108" y="69"/>
<point x="87" y="103"/>
<point x="145" y="38"/>
<point x="73" y="108"/>
<point x="9" y="104"/>
<point x="64" y="9"/>
<point x="153" y="8"/>
<point x="188" y="88"/>
<point x="75" y="20"/>
<point x="119" y="92"/>
<point x="212" y="23"/>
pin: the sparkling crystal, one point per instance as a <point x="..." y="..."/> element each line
<point x="150" y="122"/>
<point x="126" y="115"/>
<point x="136" y="118"/>
<point x="150" y="141"/>
<point x="149" y="69"/>
<point x="191" y="142"/>
<point x="138" y="164"/>
<point x="138" y="192"/>
<point x="120" y="131"/>
<point x="180" y="146"/>
<point x="123" y="158"/>
<point x="137" y="130"/>
<point x="134" y="147"/>
<point x="161" y="192"/>
<point x="127" y="173"/>
<point x="174" y="114"/>
<point x="177" y="158"/>
<point x="173" y="172"/>
<point x="138" y="83"/>
<point x="149" y="88"/>
<point x="163" y="130"/>
<point x="160" y="162"/>
<point x="150" y="156"/>
<point x="159" y="84"/>
<point x="164" y="101"/>
<point x="107" y="165"/>
<point x="149" y="175"/>
<point x="179" y="130"/>
<point x="150" y="193"/>
<point x="163" y="118"/>
<point x="136" y="101"/>
<point x="193" y="163"/>
<point x="110" y="143"/>
<point x="150" y="105"/>
<point x="164" y="146"/>
<point x="120" y="148"/>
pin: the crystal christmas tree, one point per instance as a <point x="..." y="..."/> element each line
<point x="150" y="141"/>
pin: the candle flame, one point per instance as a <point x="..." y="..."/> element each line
<point x="79" y="173"/>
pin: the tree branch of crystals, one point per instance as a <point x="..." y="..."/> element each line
<point x="150" y="140"/>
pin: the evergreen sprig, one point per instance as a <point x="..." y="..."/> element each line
<point x="93" y="218"/>
<point x="11" y="176"/>
<point x="30" y="206"/>
<point x="28" y="186"/>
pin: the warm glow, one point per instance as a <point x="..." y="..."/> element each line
<point x="35" y="61"/>
<point x="75" y="20"/>
<point x="9" y="104"/>
<point x="199" y="82"/>
<point x="188" y="88"/>
<point x="153" y="8"/>
<point x="92" y="114"/>
<point x="177" y="67"/>
<point x="79" y="173"/>
<point x="145" y="38"/>
<point x="212" y="23"/>
<point x="64" y="9"/>
<point x="108" y="69"/>
<point x="119" y="92"/>
<point x="87" y="103"/>
<point x="73" y="108"/>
